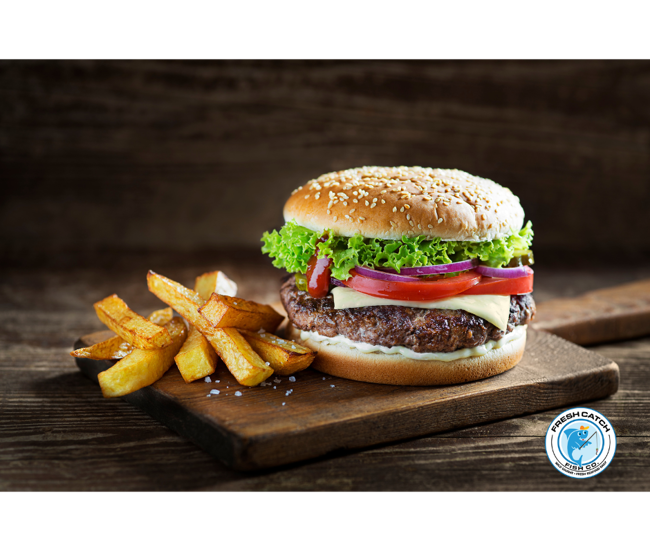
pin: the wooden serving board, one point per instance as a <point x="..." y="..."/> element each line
<point x="317" y="414"/>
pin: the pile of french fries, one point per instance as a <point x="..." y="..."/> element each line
<point x="221" y="326"/>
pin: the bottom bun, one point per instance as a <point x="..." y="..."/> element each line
<point x="346" y="362"/>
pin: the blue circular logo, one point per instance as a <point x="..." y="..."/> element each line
<point x="580" y="443"/>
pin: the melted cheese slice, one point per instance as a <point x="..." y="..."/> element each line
<point x="492" y="308"/>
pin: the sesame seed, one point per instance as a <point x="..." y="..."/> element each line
<point x="329" y="212"/>
<point x="373" y="205"/>
<point x="383" y="201"/>
<point x="336" y="218"/>
<point x="440" y="220"/>
<point x="391" y="223"/>
<point x="394" y="208"/>
<point x="374" y="200"/>
<point x="419" y="226"/>
<point x="345" y="203"/>
<point x="367" y="203"/>
<point x="362" y="218"/>
<point x="317" y="196"/>
<point x="353" y="210"/>
<point x="306" y="197"/>
<point x="407" y="206"/>
<point x="411" y="223"/>
<point x="402" y="209"/>
<point x="355" y="200"/>
<point x="408" y="216"/>
<point x="430" y="226"/>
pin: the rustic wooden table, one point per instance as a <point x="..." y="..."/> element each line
<point x="58" y="433"/>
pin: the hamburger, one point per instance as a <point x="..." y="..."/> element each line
<point x="406" y="275"/>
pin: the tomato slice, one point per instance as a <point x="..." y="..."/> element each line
<point x="502" y="286"/>
<point x="422" y="290"/>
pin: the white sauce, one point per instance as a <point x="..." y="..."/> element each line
<point x="518" y="332"/>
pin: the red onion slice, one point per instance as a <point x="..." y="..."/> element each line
<point x="460" y="266"/>
<point x="381" y="275"/>
<point x="514" y="272"/>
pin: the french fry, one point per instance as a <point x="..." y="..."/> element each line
<point x="115" y="347"/>
<point x="286" y="357"/>
<point x="182" y="299"/>
<point x="214" y="282"/>
<point x="244" y="364"/>
<point x="223" y="311"/>
<point x="197" y="358"/>
<point x="161" y="317"/>
<point x="130" y="326"/>
<point x="142" y="367"/>
<point x="239" y="357"/>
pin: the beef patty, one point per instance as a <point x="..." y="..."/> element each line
<point x="415" y="328"/>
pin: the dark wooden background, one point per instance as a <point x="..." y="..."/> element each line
<point x="108" y="169"/>
<point x="183" y="156"/>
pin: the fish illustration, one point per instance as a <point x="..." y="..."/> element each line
<point x="577" y="438"/>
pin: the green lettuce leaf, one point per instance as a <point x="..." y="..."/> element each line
<point x="293" y="246"/>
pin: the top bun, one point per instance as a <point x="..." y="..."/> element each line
<point x="388" y="202"/>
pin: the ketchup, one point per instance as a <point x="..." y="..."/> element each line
<point x="318" y="274"/>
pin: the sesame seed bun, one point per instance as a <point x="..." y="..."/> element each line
<point x="388" y="202"/>
<point x="346" y="362"/>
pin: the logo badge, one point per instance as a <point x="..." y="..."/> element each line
<point x="580" y="443"/>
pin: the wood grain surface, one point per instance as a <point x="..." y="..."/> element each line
<point x="164" y="165"/>
<point x="604" y="315"/>
<point x="58" y="433"/>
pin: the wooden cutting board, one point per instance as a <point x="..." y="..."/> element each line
<point x="604" y="315"/>
<point x="317" y="414"/>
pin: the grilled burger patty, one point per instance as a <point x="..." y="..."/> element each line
<point x="415" y="328"/>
